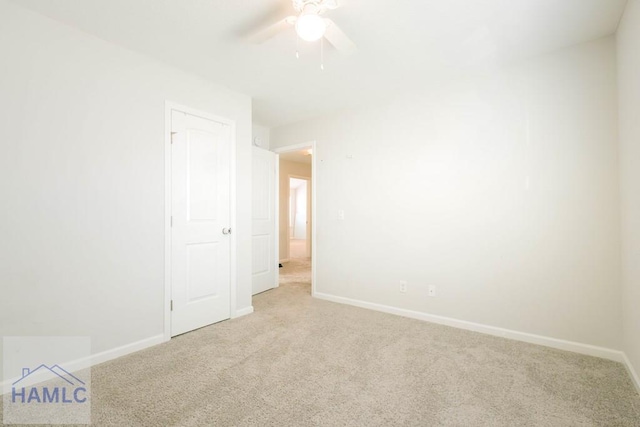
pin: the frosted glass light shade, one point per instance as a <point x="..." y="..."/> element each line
<point x="310" y="27"/>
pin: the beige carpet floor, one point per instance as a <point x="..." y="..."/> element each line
<point x="298" y="361"/>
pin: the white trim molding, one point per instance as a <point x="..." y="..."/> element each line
<point x="103" y="356"/>
<point x="296" y="147"/>
<point x="126" y="349"/>
<point x="587" y="349"/>
<point x="242" y="312"/>
<point x="635" y="378"/>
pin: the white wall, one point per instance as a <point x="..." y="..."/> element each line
<point x="502" y="192"/>
<point x="288" y="168"/>
<point x="629" y="104"/>
<point x="82" y="186"/>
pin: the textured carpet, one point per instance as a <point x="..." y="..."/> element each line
<point x="303" y="362"/>
<point x="296" y="273"/>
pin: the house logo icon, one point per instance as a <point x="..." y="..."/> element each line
<point x="66" y="388"/>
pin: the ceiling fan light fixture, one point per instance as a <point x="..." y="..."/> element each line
<point x="310" y="27"/>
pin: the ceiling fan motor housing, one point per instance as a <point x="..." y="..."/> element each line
<point x="314" y="6"/>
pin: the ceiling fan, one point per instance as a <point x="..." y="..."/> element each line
<point x="309" y="25"/>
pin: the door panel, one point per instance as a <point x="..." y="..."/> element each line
<point x="203" y="158"/>
<point x="265" y="269"/>
<point x="201" y="270"/>
<point x="261" y="245"/>
<point x="200" y="252"/>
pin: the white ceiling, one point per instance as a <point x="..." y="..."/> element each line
<point x="402" y="44"/>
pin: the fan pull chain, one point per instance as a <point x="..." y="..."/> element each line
<point x="297" y="46"/>
<point x="322" y="53"/>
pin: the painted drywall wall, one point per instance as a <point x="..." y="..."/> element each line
<point x="628" y="42"/>
<point x="82" y="185"/>
<point x="502" y="191"/>
<point x="288" y="168"/>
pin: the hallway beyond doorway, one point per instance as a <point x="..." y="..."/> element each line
<point x="297" y="248"/>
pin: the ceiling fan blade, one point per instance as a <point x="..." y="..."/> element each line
<point x="265" y="33"/>
<point x="338" y="38"/>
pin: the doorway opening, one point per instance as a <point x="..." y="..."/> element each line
<point x="296" y="208"/>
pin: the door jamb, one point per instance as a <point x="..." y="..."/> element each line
<point x="169" y="107"/>
<point x="314" y="184"/>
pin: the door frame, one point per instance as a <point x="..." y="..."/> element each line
<point x="168" y="108"/>
<point x="314" y="186"/>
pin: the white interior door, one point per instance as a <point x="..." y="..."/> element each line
<point x="265" y="268"/>
<point x="200" y="210"/>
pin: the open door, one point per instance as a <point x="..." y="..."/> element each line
<point x="265" y="264"/>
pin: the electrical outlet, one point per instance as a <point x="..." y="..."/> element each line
<point x="432" y="291"/>
<point x="403" y="286"/>
<point x="340" y="214"/>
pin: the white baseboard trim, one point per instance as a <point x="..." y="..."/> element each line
<point x="243" y="312"/>
<point x="97" y="358"/>
<point x="635" y="378"/>
<point x="575" y="347"/>
<point x="114" y="353"/>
